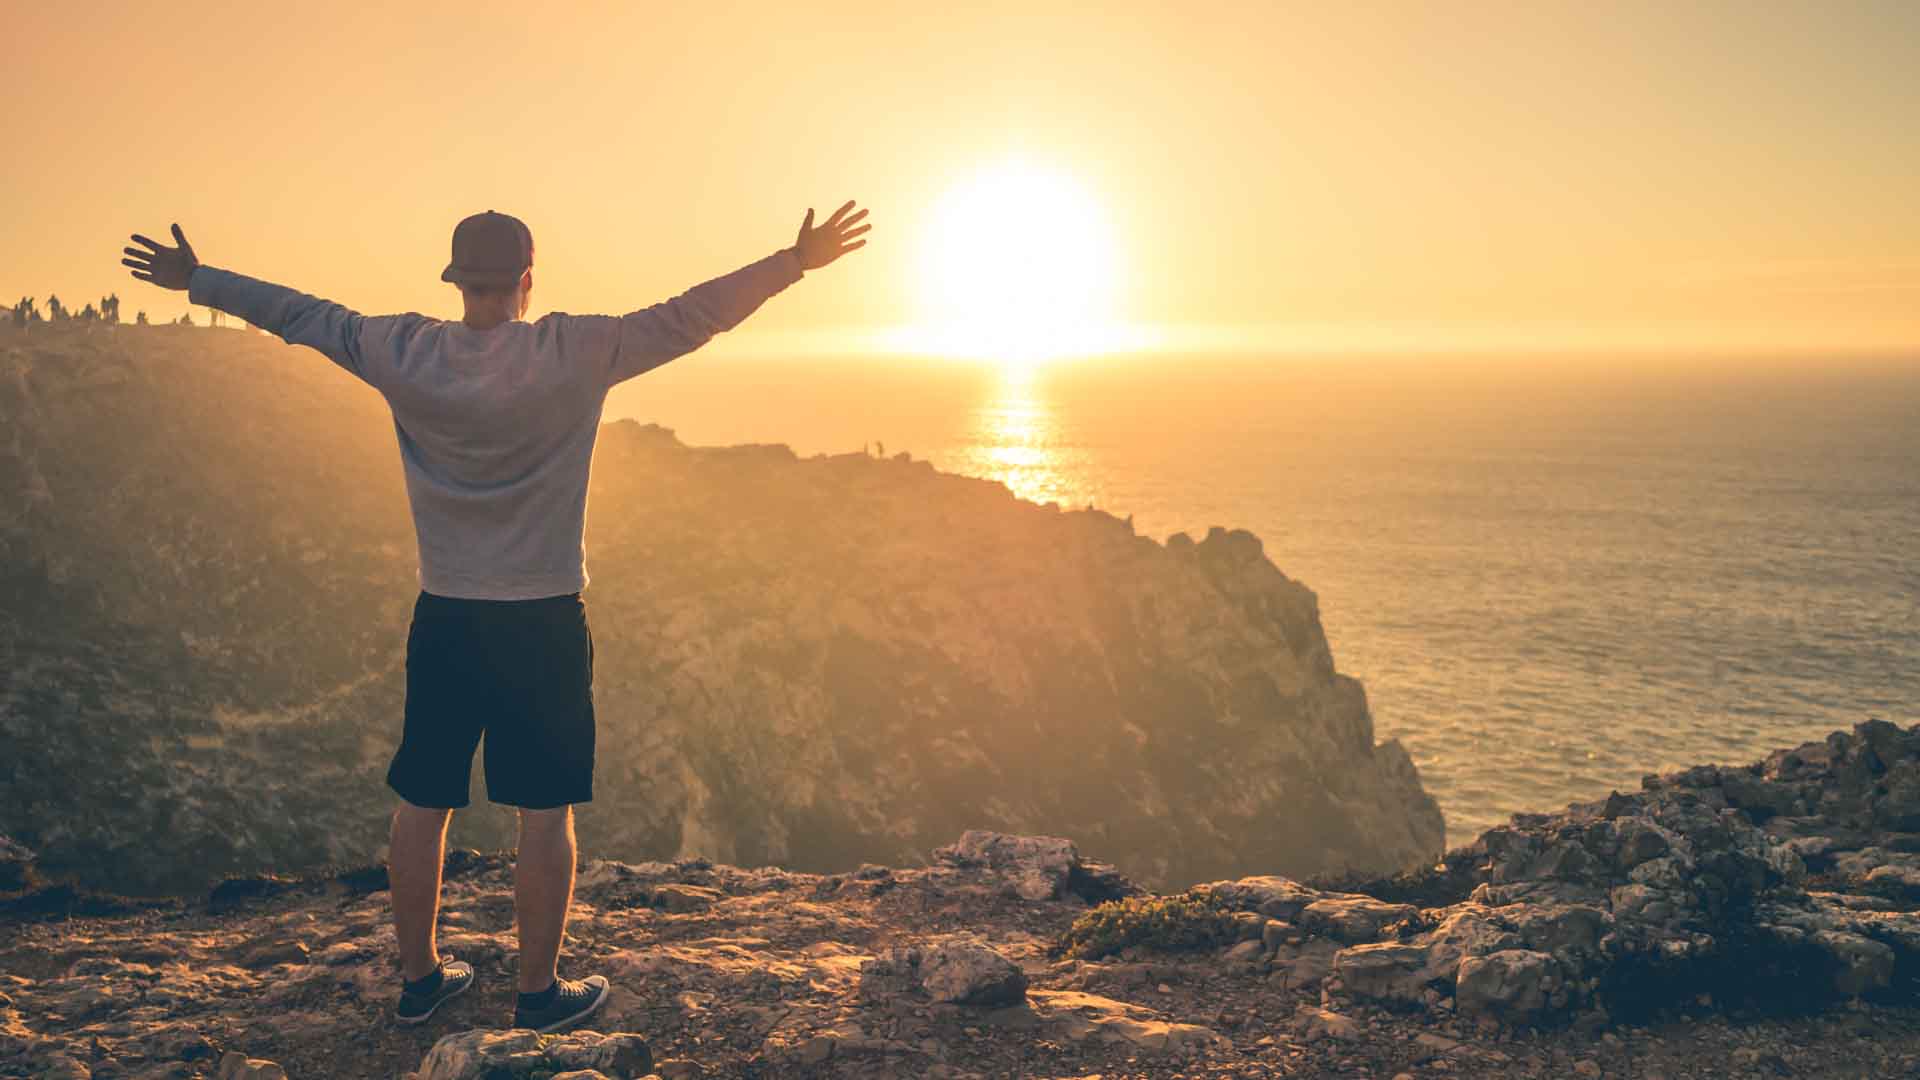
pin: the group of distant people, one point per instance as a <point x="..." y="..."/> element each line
<point x="26" y="313"/>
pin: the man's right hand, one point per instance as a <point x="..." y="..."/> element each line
<point x="819" y="246"/>
<point x="167" y="267"/>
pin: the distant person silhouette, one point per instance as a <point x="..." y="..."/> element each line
<point x="496" y="420"/>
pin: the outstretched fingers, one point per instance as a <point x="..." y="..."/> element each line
<point x="180" y="238"/>
<point x="138" y="239"/>
<point x="834" y="221"/>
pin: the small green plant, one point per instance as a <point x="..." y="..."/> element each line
<point x="1166" y="923"/>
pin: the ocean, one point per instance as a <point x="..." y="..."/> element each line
<point x="1554" y="574"/>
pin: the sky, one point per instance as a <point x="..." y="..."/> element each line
<point x="1239" y="177"/>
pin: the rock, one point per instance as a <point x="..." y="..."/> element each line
<point x="968" y="973"/>
<point x="480" y="1054"/>
<point x="1098" y="883"/>
<point x="1560" y="928"/>
<point x="1353" y="919"/>
<point x="1315" y="1023"/>
<point x="1437" y="1045"/>
<point x="1586" y="1068"/>
<point x="344" y="952"/>
<point x="1306" y="964"/>
<point x="1464" y="930"/>
<point x="1383" y="971"/>
<point x="1036" y="867"/>
<point x="236" y="892"/>
<point x="1277" y="897"/>
<point x="1512" y="984"/>
<point x="679" y="898"/>
<point x="1078" y="1017"/>
<point x="1248" y="925"/>
<point x="63" y="1067"/>
<point x="238" y="1066"/>
<point x="1245" y="952"/>
<point x="1865" y="965"/>
<point x="274" y="952"/>
<point x="16" y="866"/>
<point x="959" y="971"/>
<point x="181" y="1044"/>
<point x="815" y="1050"/>
<point x="894" y="972"/>
<point x="1274" y="934"/>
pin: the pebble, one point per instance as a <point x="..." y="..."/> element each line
<point x="238" y="1066"/>
<point x="275" y="952"/>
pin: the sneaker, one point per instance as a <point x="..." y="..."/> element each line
<point x="572" y="1002"/>
<point x="455" y="977"/>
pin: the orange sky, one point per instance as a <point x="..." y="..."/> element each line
<point x="1440" y="174"/>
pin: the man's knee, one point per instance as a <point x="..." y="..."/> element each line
<point x="546" y="822"/>
<point x="407" y="813"/>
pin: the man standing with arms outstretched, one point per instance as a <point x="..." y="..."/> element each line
<point x="496" y="420"/>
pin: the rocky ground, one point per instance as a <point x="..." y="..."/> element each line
<point x="1721" y="922"/>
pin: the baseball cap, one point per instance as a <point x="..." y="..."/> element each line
<point x="489" y="249"/>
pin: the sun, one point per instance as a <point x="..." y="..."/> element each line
<point x="1017" y="264"/>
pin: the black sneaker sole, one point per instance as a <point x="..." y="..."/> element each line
<point x="592" y="1007"/>
<point x="428" y="1015"/>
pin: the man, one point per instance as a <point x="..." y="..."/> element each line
<point x="496" y="420"/>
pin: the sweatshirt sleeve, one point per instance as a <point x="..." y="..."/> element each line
<point x="297" y="318"/>
<point x="645" y="339"/>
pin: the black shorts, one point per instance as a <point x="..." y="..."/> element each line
<point x="519" y="672"/>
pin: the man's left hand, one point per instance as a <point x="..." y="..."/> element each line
<point x="167" y="267"/>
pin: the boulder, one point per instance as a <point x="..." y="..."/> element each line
<point x="1383" y="971"/>
<point x="1277" y="897"/>
<point x="969" y="973"/>
<point x="1353" y="919"/>
<point x="1512" y="984"/>
<point x="959" y="971"/>
<point x="1034" y="867"/>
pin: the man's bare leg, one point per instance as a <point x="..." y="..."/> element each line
<point x="419" y="846"/>
<point x="542" y="892"/>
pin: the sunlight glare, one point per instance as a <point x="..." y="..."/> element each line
<point x="1018" y="265"/>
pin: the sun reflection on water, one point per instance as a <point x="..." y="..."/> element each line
<point x="1018" y="441"/>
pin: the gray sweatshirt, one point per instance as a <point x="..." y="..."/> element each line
<point x="496" y="427"/>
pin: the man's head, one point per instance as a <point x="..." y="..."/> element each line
<point x="493" y="265"/>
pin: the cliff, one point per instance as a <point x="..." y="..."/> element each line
<point x="1721" y="922"/>
<point x="809" y="663"/>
